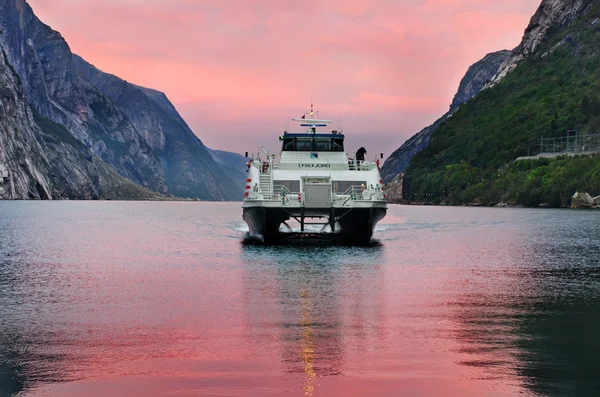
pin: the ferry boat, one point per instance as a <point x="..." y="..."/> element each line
<point x="314" y="183"/>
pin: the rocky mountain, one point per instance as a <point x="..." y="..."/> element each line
<point x="131" y="130"/>
<point x="233" y="164"/>
<point x="547" y="86"/>
<point x="551" y="14"/>
<point x="400" y="158"/>
<point x="476" y="78"/>
<point x="40" y="159"/>
<point x="189" y="167"/>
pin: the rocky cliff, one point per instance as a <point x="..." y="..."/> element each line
<point x="189" y="167"/>
<point x="133" y="129"/>
<point x="399" y="159"/>
<point x="52" y="86"/>
<point x="477" y="77"/>
<point x="393" y="190"/>
<point x="40" y="159"/>
<point x="554" y="14"/>
<point x="472" y="83"/>
<point x="23" y="166"/>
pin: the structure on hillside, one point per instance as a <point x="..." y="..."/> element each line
<point x="573" y="143"/>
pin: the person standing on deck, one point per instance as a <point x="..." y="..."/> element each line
<point x="360" y="155"/>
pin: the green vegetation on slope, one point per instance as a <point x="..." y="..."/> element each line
<point x="469" y="157"/>
<point x="116" y="187"/>
<point x="528" y="183"/>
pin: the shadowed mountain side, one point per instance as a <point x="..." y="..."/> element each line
<point x="234" y="165"/>
<point x="190" y="170"/>
<point x="40" y="159"/>
<point x="43" y="61"/>
<point x="135" y="130"/>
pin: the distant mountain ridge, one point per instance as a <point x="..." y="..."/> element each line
<point x="233" y="164"/>
<point x="133" y="130"/>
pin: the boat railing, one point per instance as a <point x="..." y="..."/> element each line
<point x="354" y="165"/>
<point x="354" y="192"/>
<point x="266" y="168"/>
<point x="283" y="193"/>
<point x="294" y="199"/>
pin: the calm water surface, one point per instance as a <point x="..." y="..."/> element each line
<point x="162" y="299"/>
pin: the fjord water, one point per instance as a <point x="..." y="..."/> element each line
<point x="160" y="299"/>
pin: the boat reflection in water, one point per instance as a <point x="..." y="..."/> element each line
<point x="320" y="312"/>
<point x="307" y="346"/>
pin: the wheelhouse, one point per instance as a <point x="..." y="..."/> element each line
<point x="312" y="142"/>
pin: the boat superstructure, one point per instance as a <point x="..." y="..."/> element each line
<point x="314" y="182"/>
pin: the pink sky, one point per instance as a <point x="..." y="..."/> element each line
<point x="236" y="69"/>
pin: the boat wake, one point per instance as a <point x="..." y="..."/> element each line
<point x="307" y="239"/>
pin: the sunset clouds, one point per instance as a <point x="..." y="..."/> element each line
<point x="236" y="69"/>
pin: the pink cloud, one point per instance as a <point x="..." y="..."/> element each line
<point x="237" y="69"/>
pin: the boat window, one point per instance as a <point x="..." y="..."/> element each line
<point x="292" y="186"/>
<point x="322" y="145"/>
<point x="341" y="187"/>
<point x="337" y="145"/>
<point x="289" y="144"/>
<point x="304" y="144"/>
<point x="310" y="144"/>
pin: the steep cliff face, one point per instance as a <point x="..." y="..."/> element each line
<point x="22" y="163"/>
<point x="550" y="14"/>
<point x="52" y="86"/>
<point x="478" y="75"/>
<point x="40" y="159"/>
<point x="134" y="129"/>
<point x="189" y="168"/>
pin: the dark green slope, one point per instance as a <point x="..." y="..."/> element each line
<point x="554" y="90"/>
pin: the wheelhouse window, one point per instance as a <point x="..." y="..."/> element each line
<point x="304" y="144"/>
<point x="322" y="145"/>
<point x="337" y="145"/>
<point x="310" y="144"/>
<point x="289" y="144"/>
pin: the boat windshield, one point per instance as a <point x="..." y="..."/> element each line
<point x="310" y="144"/>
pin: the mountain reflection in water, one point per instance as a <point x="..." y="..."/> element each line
<point x="537" y="321"/>
<point x="158" y="299"/>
